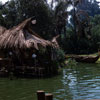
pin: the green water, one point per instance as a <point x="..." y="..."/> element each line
<point x="80" y="82"/>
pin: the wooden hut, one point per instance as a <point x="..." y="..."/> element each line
<point x="23" y="45"/>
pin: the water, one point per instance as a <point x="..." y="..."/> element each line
<point x="80" y="82"/>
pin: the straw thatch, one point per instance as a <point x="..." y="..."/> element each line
<point x="54" y="42"/>
<point x="20" y="37"/>
<point x="2" y="30"/>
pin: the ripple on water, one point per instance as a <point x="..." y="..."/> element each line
<point x="79" y="82"/>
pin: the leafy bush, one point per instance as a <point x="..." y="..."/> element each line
<point x="60" y="55"/>
<point x="71" y="62"/>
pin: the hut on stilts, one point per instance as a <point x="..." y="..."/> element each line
<point x="29" y="55"/>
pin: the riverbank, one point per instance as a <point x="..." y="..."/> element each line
<point x="36" y="72"/>
<point x="83" y="56"/>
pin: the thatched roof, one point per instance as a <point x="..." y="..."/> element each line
<point x="54" y="42"/>
<point x="2" y="30"/>
<point x="20" y="37"/>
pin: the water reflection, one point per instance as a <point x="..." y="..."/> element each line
<point x="77" y="82"/>
<point x="81" y="82"/>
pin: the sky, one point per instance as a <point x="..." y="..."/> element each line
<point x="3" y="1"/>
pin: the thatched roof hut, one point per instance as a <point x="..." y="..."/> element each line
<point x="21" y="36"/>
<point x="22" y="45"/>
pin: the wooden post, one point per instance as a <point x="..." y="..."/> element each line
<point x="40" y="95"/>
<point x="49" y="96"/>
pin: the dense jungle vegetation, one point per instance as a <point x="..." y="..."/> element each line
<point x="77" y="21"/>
